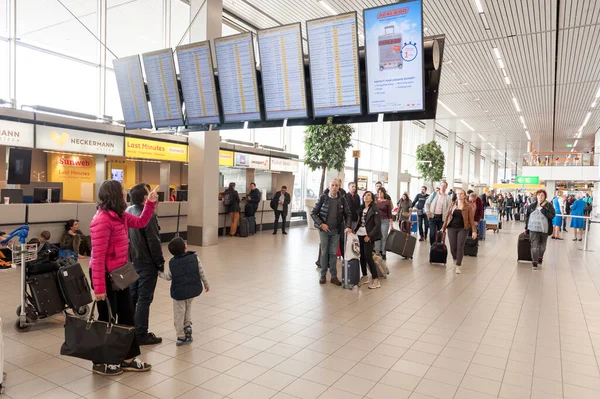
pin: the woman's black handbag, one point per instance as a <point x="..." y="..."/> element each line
<point x="97" y="341"/>
<point x="123" y="277"/>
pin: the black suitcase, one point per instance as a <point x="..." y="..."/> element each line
<point x="249" y="209"/>
<point x="350" y="273"/>
<point x="438" y="253"/>
<point x="524" y="248"/>
<point x="471" y="247"/>
<point x="74" y="285"/>
<point x="251" y="225"/>
<point x="401" y="243"/>
<point x="45" y="291"/>
<point x="517" y="217"/>
<point x="244" y="228"/>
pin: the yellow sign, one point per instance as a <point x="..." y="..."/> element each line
<point x="226" y="158"/>
<point x="527" y="186"/>
<point x="356" y="154"/>
<point x="71" y="170"/>
<point x="158" y="150"/>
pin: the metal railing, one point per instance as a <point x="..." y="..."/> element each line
<point x="586" y="230"/>
<point x="559" y="159"/>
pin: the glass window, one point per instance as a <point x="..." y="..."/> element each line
<point x="296" y="140"/>
<point x="349" y="158"/>
<point x="458" y="162"/>
<point x="365" y="155"/>
<point x="297" y="197"/>
<point x="3" y="17"/>
<point x="364" y="132"/>
<point x="482" y="170"/>
<point x="313" y="183"/>
<point x="180" y="20"/>
<point x="268" y="136"/>
<point x="45" y="79"/>
<point x="377" y="135"/>
<point x="113" y="102"/>
<point x="236" y="134"/>
<point x="235" y="175"/>
<point x="47" y="24"/>
<point x="228" y="30"/>
<point x="471" y="167"/>
<point x="377" y="158"/>
<point x="4" y="66"/>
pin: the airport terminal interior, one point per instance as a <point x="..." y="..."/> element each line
<point x="280" y="100"/>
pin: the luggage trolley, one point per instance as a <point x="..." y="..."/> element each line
<point x="492" y="220"/>
<point x="30" y="310"/>
<point x="390" y="49"/>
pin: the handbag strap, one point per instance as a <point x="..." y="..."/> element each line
<point x="111" y="318"/>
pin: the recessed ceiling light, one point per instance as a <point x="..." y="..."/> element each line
<point x="500" y="63"/>
<point x="598" y="93"/>
<point x="497" y="53"/>
<point x="486" y="110"/>
<point x="516" y="103"/>
<point x="464" y="83"/>
<point x="448" y="62"/>
<point x="587" y="118"/>
<point x="326" y="6"/>
<point x="467" y="125"/>
<point x="528" y="136"/>
<point x="479" y="6"/>
<point x="477" y="99"/>
<point x="594" y="104"/>
<point x="446" y="107"/>
<point x="576" y="142"/>
<point x="481" y="137"/>
<point x="425" y="29"/>
<point x="507" y="80"/>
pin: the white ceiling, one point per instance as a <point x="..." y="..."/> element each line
<point x="472" y="83"/>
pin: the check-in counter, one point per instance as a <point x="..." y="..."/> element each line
<point x="265" y="217"/>
<point x="183" y="220"/>
<point x="85" y="214"/>
<point x="168" y="218"/>
<point x="50" y="217"/>
<point x="12" y="216"/>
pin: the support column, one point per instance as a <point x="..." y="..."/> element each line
<point x="101" y="30"/>
<point x="466" y="165"/>
<point x="451" y="159"/>
<point x="429" y="130"/>
<point x="204" y="146"/>
<point x="395" y="159"/>
<point x="165" y="178"/>
<point x="495" y="172"/>
<point x="12" y="51"/>
<point x="100" y="173"/>
<point x="477" y="166"/>
<point x="486" y="171"/>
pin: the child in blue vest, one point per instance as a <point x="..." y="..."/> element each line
<point x="186" y="276"/>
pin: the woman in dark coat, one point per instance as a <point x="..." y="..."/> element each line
<point x="538" y="222"/>
<point x="368" y="231"/>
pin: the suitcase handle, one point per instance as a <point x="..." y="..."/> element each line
<point x="389" y="29"/>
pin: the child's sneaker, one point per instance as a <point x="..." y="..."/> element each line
<point x="183" y="341"/>
<point x="188" y="331"/>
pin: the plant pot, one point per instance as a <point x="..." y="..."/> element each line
<point x="309" y="204"/>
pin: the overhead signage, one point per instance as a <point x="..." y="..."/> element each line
<point x="242" y="160"/>
<point x="356" y="154"/>
<point x="156" y="150"/>
<point x="528" y="180"/>
<point x="284" y="165"/>
<point x="60" y="139"/>
<point x="394" y="57"/>
<point x="16" y="134"/>
<point x="225" y="158"/>
<point x="259" y="162"/>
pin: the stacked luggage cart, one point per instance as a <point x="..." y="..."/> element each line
<point x="492" y="220"/>
<point x="49" y="285"/>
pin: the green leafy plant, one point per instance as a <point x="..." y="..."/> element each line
<point x="431" y="161"/>
<point x="325" y="147"/>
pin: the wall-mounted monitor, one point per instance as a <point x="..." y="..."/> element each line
<point x="282" y="68"/>
<point x="198" y="83"/>
<point x="163" y="88"/>
<point x="19" y="166"/>
<point x="394" y="57"/>
<point x="132" y="92"/>
<point x="236" y="66"/>
<point x="40" y="195"/>
<point x="334" y="67"/>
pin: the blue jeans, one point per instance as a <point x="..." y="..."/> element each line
<point x="329" y="245"/>
<point x="142" y="293"/>
<point x="385" y="231"/>
<point x="435" y="224"/>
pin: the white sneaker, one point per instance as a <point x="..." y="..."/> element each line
<point x="375" y="284"/>
<point x="457" y="270"/>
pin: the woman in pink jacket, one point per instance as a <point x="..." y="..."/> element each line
<point x="110" y="245"/>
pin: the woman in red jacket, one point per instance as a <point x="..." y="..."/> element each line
<point x="110" y="246"/>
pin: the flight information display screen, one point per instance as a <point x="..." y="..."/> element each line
<point x="198" y="83"/>
<point x="334" y="68"/>
<point x="281" y="60"/>
<point x="132" y="92"/>
<point x="237" y="78"/>
<point x="163" y="88"/>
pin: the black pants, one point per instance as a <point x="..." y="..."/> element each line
<point x="366" y="257"/>
<point x="142" y="294"/>
<point x="509" y="213"/>
<point x="423" y="222"/>
<point x="122" y="310"/>
<point x="564" y="226"/>
<point x="276" y="225"/>
<point x="435" y="224"/>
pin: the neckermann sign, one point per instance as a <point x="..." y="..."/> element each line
<point x="16" y="134"/>
<point x="60" y="139"/>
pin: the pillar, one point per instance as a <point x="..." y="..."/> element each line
<point x="100" y="172"/>
<point x="495" y="172"/>
<point x="429" y="130"/>
<point x="165" y="178"/>
<point x="486" y="171"/>
<point x="451" y="159"/>
<point x="477" y="166"/>
<point x="204" y="146"/>
<point x="395" y="159"/>
<point x="466" y="165"/>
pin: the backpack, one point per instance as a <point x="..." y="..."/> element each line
<point x="227" y="198"/>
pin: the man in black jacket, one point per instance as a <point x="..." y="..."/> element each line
<point x="279" y="204"/>
<point x="254" y="196"/>
<point x="353" y="201"/>
<point x="419" y="205"/>
<point x="146" y="254"/>
<point x="332" y="217"/>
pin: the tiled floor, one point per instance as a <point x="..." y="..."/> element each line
<point x="267" y="329"/>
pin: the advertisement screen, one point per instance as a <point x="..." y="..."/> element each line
<point x="394" y="57"/>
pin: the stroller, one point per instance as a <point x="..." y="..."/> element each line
<point x="49" y="284"/>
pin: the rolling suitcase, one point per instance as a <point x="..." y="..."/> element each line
<point x="350" y="261"/>
<point x="481" y="228"/>
<point x="44" y="288"/>
<point x="438" y="253"/>
<point x="244" y="228"/>
<point x="524" y="248"/>
<point x="382" y="269"/>
<point x="401" y="243"/>
<point x="471" y="247"/>
<point x="414" y="223"/>
<point x="74" y="285"/>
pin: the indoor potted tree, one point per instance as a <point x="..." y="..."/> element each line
<point x="325" y="147"/>
<point x="431" y="162"/>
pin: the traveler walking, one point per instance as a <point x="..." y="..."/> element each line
<point x="437" y="208"/>
<point x="538" y="222"/>
<point x="331" y="215"/>
<point x="419" y="204"/>
<point x="368" y="231"/>
<point x="145" y="252"/>
<point x="379" y="185"/>
<point x="385" y="208"/>
<point x="577" y="224"/>
<point x="231" y="200"/>
<point x="459" y="222"/>
<point x="477" y="205"/>
<point x="279" y="204"/>
<point x="110" y="242"/>
<point x="509" y="206"/>
<point x="404" y="205"/>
